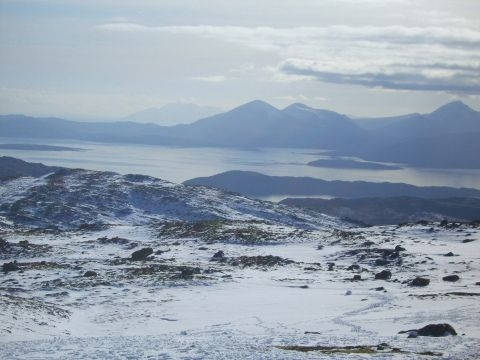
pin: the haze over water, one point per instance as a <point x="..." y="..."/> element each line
<point x="178" y="164"/>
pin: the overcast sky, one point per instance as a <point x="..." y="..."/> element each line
<point x="108" y="58"/>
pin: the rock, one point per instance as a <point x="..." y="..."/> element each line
<point x="264" y="261"/>
<point x="383" y="275"/>
<point x="449" y="254"/>
<point x="218" y="256"/>
<point x="349" y="292"/>
<point x="435" y="330"/>
<point x="356" y="277"/>
<point x="141" y="254"/>
<point x="354" y="267"/>
<point x="419" y="281"/>
<point x="467" y="241"/>
<point x="188" y="272"/>
<point x="11" y="266"/>
<point x="381" y="262"/>
<point x="399" y="248"/>
<point x="451" y="278"/>
<point x="90" y="273"/>
<point x="381" y="288"/>
<point x="330" y="266"/>
<point x="202" y="248"/>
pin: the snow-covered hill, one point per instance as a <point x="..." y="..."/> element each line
<point x="69" y="199"/>
<point x="98" y="265"/>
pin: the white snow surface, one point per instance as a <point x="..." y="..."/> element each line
<point x="150" y="309"/>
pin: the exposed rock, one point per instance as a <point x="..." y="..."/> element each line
<point x="11" y="266"/>
<point x="399" y="248"/>
<point x="467" y="241"/>
<point x="141" y="254"/>
<point x="383" y="275"/>
<point x="218" y="256"/>
<point x="419" y="281"/>
<point x="357" y="277"/>
<point x="268" y="260"/>
<point x="449" y="254"/>
<point x="330" y="266"/>
<point x="188" y="272"/>
<point x="435" y="330"/>
<point x="354" y="267"/>
<point x="451" y="278"/>
<point x="90" y="273"/>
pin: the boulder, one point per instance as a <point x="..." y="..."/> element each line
<point x="383" y="275"/>
<point x="218" y="256"/>
<point x="141" y="254"/>
<point x="435" y="330"/>
<point x="90" y="273"/>
<point x="419" y="281"/>
<point x="449" y="254"/>
<point x="11" y="266"/>
<point x="451" y="278"/>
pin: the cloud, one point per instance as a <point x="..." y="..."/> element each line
<point x="211" y="78"/>
<point x="391" y="57"/>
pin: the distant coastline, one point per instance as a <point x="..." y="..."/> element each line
<point x="36" y="147"/>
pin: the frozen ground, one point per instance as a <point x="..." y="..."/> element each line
<point x="284" y="281"/>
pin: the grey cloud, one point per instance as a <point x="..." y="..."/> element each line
<point x="460" y="83"/>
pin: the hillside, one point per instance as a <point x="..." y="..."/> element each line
<point x="393" y="210"/>
<point x="256" y="184"/>
<point x="97" y="264"/>
<point x="12" y="168"/>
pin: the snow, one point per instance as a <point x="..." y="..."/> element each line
<point x="225" y="310"/>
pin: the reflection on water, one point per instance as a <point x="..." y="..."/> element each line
<point x="178" y="164"/>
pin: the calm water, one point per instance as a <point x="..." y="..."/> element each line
<point x="179" y="164"/>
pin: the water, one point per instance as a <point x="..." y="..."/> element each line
<point x="178" y="164"/>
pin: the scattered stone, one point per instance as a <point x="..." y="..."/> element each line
<point x="188" y="272"/>
<point x="419" y="281"/>
<point x="383" y="275"/>
<point x="264" y="261"/>
<point x="451" y="278"/>
<point x="11" y="266"/>
<point x="435" y="330"/>
<point x="90" y="273"/>
<point x="141" y="254"/>
<point x="218" y="256"/>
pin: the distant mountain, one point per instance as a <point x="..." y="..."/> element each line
<point x="173" y="114"/>
<point x="11" y="168"/>
<point x="255" y="184"/>
<point x="261" y="125"/>
<point x="452" y="118"/>
<point x="445" y="138"/>
<point x="393" y="210"/>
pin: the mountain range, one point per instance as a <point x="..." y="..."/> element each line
<point x="445" y="138"/>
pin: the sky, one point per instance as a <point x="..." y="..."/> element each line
<point x="103" y="59"/>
